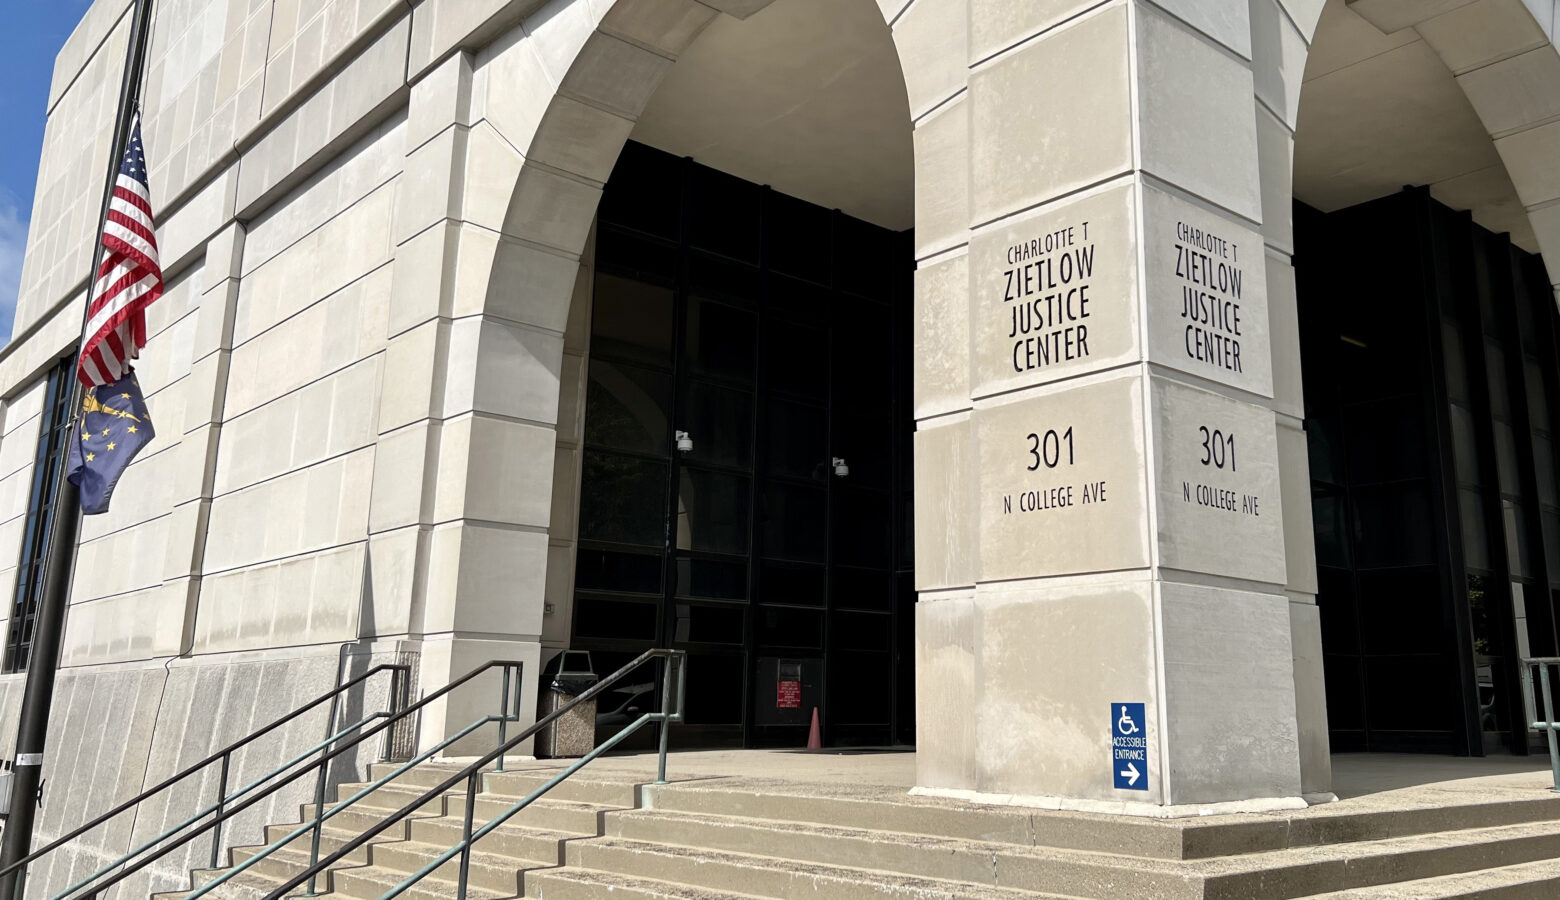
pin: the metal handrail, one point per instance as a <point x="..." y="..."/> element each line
<point x="322" y="814"/>
<point x="675" y="659"/>
<point x="403" y="673"/>
<point x="219" y="804"/>
<point x="1547" y="724"/>
<point x="320" y="765"/>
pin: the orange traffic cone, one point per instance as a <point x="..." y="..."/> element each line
<point x="814" y="740"/>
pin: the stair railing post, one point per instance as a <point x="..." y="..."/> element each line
<point x="216" y="830"/>
<point x="465" y="833"/>
<point x="503" y="717"/>
<point x="1549" y="722"/>
<point x="319" y="819"/>
<point x="666" y="719"/>
<point x="319" y="790"/>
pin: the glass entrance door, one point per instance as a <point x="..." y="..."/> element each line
<point x="744" y="492"/>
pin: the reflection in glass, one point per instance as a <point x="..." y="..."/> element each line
<point x="720" y="420"/>
<point x="1495" y="370"/>
<point x="712" y="512"/>
<point x="631" y="321"/>
<point x="793" y="522"/>
<point x="719" y="341"/>
<point x="783" y="626"/>
<point x="628" y="407"/>
<point x="796" y="360"/>
<point x="621" y="499"/>
<point x="1465" y="447"/>
<point x="798" y="440"/>
<point x="607" y="570"/>
<point x="712" y="624"/>
<point x="1517" y="557"/>
<point x="717" y="579"/>
<point x="796" y="584"/>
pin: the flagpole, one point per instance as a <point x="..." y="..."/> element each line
<point x="65" y="522"/>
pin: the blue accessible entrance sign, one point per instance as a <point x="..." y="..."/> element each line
<point x="1128" y="747"/>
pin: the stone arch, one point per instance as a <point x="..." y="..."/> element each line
<point x="603" y="60"/>
<point x="1503" y="56"/>
<point x="544" y="110"/>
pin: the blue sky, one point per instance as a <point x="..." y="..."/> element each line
<point x="34" y="32"/>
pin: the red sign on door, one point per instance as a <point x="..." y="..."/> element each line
<point x="788" y="695"/>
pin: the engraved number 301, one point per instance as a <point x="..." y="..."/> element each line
<point x="1218" y="448"/>
<point x="1048" y="449"/>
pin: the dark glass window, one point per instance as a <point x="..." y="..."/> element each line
<point x="646" y="193"/>
<point x="717" y="579"/>
<point x="608" y="570"/>
<point x="798" y="440"/>
<point x="794" y="522"/>
<point x="720" y="422"/>
<point x="631" y="321"/>
<point x="784" y="626"/>
<point x="741" y="341"/>
<point x="595" y="617"/>
<point x="629" y="408"/>
<point x="724" y="215"/>
<point x="53" y="431"/>
<point x="699" y="623"/>
<point x="712" y="512"/>
<point x="719" y="341"/>
<point x="622" y="499"/>
<point x="796" y="367"/>
<point x="797" y="585"/>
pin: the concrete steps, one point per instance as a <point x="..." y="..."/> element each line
<point x="1527" y="881"/>
<point x="1288" y="873"/>
<point x="585" y="884"/>
<point x="607" y="836"/>
<point x="770" y="876"/>
<point x="533" y="839"/>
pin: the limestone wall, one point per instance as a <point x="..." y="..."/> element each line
<point x="367" y="385"/>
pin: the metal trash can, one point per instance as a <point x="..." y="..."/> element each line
<point x="568" y="675"/>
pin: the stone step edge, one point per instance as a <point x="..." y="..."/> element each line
<point x="254" y="874"/>
<point x="1212" y="878"/>
<point x="654" y="887"/>
<point x="1233" y="865"/>
<point x="425" y="851"/>
<point x="412" y="792"/>
<point x="882" y="835"/>
<point x="1461" y="884"/>
<point x="701" y="856"/>
<point x="634" y="782"/>
<point x="1197" y="837"/>
<point x="388" y="878"/>
<point x="387" y="836"/>
<point x="529" y="768"/>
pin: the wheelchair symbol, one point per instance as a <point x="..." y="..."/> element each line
<point x="1125" y="725"/>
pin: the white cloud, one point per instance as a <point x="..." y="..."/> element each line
<point x="13" y="245"/>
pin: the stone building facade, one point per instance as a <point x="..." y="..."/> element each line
<point x="370" y="370"/>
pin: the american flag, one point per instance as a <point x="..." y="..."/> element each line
<point x="129" y="279"/>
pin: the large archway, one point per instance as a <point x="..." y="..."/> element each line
<point x="806" y="98"/>
<point x="534" y="166"/>
<point x="1370" y="98"/>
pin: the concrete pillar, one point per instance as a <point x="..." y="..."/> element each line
<point x="1100" y="520"/>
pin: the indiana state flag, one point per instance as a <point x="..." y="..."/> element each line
<point x="111" y="430"/>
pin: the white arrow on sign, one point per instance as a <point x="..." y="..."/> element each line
<point x="1131" y="774"/>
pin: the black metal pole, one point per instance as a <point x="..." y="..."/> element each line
<point x="64" y="524"/>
